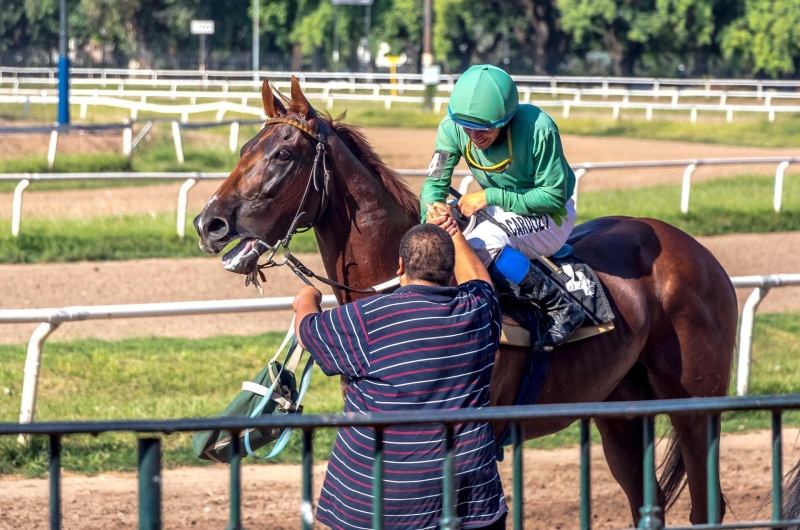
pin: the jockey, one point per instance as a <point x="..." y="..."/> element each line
<point x="514" y="152"/>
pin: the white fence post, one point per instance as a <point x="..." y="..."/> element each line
<point x="233" y="141"/>
<point x="51" y="151"/>
<point x="127" y="139"/>
<point x="16" y="212"/>
<point x="33" y="362"/>
<point x="685" y="188"/>
<point x="578" y="175"/>
<point x="183" y="201"/>
<point x="746" y="339"/>
<point x="776" y="200"/>
<point x="176" y="137"/>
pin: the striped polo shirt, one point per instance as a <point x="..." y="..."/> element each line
<point x="419" y="348"/>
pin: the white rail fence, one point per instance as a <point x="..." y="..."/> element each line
<point x="50" y="319"/>
<point x="190" y="179"/>
<point x="109" y="75"/>
<point x="374" y="93"/>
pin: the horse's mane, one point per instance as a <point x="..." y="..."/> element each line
<point x="355" y="141"/>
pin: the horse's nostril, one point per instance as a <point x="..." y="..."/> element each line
<point x="217" y="228"/>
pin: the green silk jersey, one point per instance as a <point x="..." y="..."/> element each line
<point x="539" y="180"/>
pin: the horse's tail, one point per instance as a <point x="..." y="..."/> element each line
<point x="791" y="496"/>
<point x="673" y="474"/>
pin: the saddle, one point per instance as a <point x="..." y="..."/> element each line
<point x="520" y="317"/>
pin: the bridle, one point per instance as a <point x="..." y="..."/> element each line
<point x="320" y="184"/>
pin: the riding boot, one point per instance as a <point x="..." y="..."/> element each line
<point x="563" y="314"/>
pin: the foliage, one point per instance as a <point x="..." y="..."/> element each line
<point x="622" y="37"/>
<point x="766" y="40"/>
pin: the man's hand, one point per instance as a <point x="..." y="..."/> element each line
<point x="439" y="214"/>
<point x="306" y="303"/>
<point x="471" y="203"/>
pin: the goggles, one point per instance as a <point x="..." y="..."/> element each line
<point x="482" y="126"/>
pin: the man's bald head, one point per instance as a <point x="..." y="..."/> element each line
<point x="428" y="254"/>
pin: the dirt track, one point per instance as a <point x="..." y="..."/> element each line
<point x="406" y="149"/>
<point x="198" y="497"/>
<point x="164" y="280"/>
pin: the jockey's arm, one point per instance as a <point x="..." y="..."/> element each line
<point x="440" y="171"/>
<point x="550" y="185"/>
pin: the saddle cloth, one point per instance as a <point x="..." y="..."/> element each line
<point x="520" y="316"/>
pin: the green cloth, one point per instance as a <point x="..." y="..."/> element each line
<point x="538" y="181"/>
<point x="485" y="95"/>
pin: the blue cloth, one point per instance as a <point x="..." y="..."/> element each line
<point x="512" y="264"/>
<point x="419" y="348"/>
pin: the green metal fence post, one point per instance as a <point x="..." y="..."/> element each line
<point x="55" y="482"/>
<point x="519" y="505"/>
<point x="236" y="482"/>
<point x="377" y="481"/>
<point x="149" y="484"/>
<point x="712" y="468"/>
<point x="777" y="467"/>
<point x="449" y="519"/>
<point x="307" y="507"/>
<point x="651" y="513"/>
<point x="586" y="475"/>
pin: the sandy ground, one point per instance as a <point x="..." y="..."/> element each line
<point x="405" y="149"/>
<point x="197" y="498"/>
<point x="164" y="280"/>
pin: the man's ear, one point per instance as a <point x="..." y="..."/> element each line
<point x="401" y="269"/>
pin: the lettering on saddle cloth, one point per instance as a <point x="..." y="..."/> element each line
<point x="521" y="225"/>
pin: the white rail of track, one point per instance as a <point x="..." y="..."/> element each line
<point x="581" y="170"/>
<point x="50" y="319"/>
<point x="374" y="93"/>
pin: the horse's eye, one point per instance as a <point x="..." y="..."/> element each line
<point x="283" y="155"/>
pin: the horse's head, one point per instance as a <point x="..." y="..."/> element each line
<point x="274" y="188"/>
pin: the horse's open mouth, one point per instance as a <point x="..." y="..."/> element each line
<point x="243" y="258"/>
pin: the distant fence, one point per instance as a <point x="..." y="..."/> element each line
<point x="149" y="454"/>
<point x="190" y="179"/>
<point x="389" y="94"/>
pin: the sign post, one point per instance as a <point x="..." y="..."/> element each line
<point x="63" y="67"/>
<point x="202" y="28"/>
<point x="367" y="28"/>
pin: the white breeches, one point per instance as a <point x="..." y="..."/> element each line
<point x="539" y="231"/>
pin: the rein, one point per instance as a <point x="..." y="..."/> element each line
<point x="303" y="272"/>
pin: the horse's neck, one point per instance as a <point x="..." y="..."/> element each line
<point x="359" y="233"/>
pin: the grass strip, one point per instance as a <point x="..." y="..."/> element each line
<point x="107" y="238"/>
<point x="178" y="378"/>
<point x="738" y="205"/>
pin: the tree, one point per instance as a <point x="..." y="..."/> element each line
<point x="766" y="38"/>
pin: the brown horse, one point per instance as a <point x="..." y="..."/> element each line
<point x="675" y="307"/>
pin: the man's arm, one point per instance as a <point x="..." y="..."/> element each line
<point x="307" y="302"/>
<point x="468" y="265"/>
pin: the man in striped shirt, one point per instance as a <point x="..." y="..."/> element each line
<point x="427" y="346"/>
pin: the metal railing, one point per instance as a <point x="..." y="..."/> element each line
<point x="190" y="179"/>
<point x="149" y="461"/>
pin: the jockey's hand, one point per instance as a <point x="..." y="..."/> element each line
<point x="441" y="215"/>
<point x="471" y="203"/>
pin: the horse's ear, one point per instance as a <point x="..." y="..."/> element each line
<point x="299" y="102"/>
<point x="273" y="106"/>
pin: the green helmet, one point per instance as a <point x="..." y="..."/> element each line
<point x="485" y="97"/>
